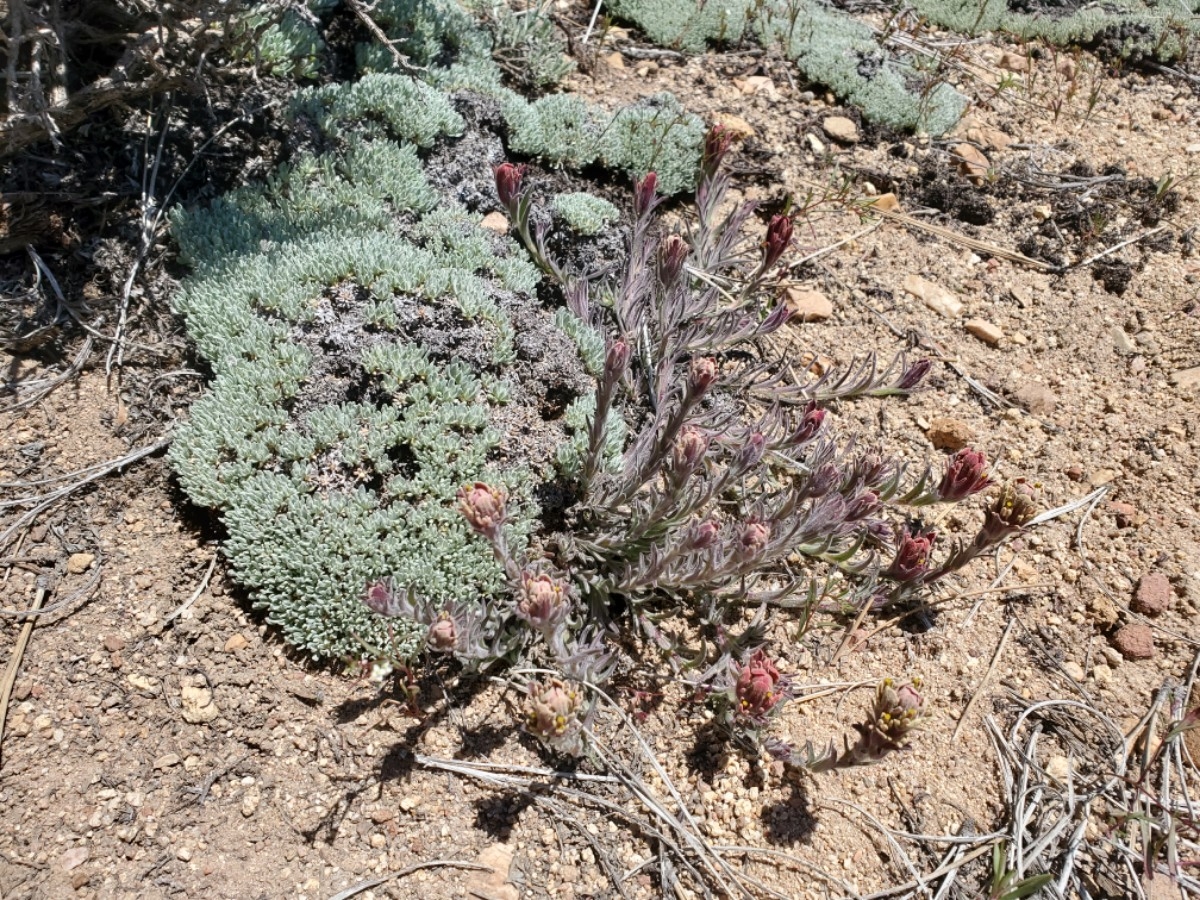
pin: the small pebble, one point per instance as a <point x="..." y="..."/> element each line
<point x="841" y="129"/>
<point x="166" y="761"/>
<point x="236" y="642"/>
<point x="1121" y="340"/>
<point x="947" y="433"/>
<point x="808" y="306"/>
<point x="984" y="330"/>
<point x="1153" y="596"/>
<point x="1037" y="398"/>
<point x="495" y="221"/>
<point x="1058" y="768"/>
<point x="1134" y="641"/>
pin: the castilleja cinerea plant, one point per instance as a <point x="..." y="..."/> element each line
<point x="701" y="483"/>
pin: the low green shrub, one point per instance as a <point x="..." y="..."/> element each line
<point x="310" y="275"/>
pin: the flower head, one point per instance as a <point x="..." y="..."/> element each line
<point x="810" y="424"/>
<point x="861" y="506"/>
<point x="483" y="507"/>
<point x="911" y="562"/>
<point x="552" y="708"/>
<point x="616" y="361"/>
<point x="703" y="535"/>
<point x="543" y="600"/>
<point x="1011" y="512"/>
<point x="779" y="238"/>
<point x="822" y="480"/>
<point x="508" y="182"/>
<point x="914" y="375"/>
<point x="690" y="447"/>
<point x="758" y="689"/>
<point x="966" y="474"/>
<point x="381" y="599"/>
<point x="672" y="254"/>
<point x="703" y="374"/>
<point x="716" y="144"/>
<point x="443" y="633"/>
<point x="751" y="452"/>
<point x="643" y="194"/>
<point x="898" y="710"/>
<point x="752" y="540"/>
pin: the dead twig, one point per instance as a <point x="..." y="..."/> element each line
<point x="362" y="12"/>
<point x="179" y="610"/>
<point x="983" y="682"/>
<point x="14" y="662"/>
<point x="1114" y="248"/>
<point x="40" y="503"/>
<point x="408" y="870"/>
<point x="33" y="613"/>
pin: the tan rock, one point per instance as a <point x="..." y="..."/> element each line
<point x="757" y="84"/>
<point x="736" y="125"/>
<point x="808" y="306"/>
<point x="948" y="433"/>
<point x="197" y="703"/>
<point x="147" y="683"/>
<point x="78" y="563"/>
<point x="841" y="129"/>
<point x="1058" y="768"/>
<point x="614" y="60"/>
<point x="166" y="761"/>
<point x="1037" y="398"/>
<point x="936" y="297"/>
<point x="1014" y="62"/>
<point x="73" y="858"/>
<point x="886" y="202"/>
<point x="250" y="801"/>
<point x="972" y="162"/>
<point x="1022" y="294"/>
<point x="1186" y="378"/>
<point x="992" y="138"/>
<point x="496" y="221"/>
<point x="984" y="330"/>
<point x="493" y="882"/>
<point x="1103" y="611"/>
<point x="236" y="642"/>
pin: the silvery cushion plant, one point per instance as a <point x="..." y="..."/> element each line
<point x="691" y="498"/>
